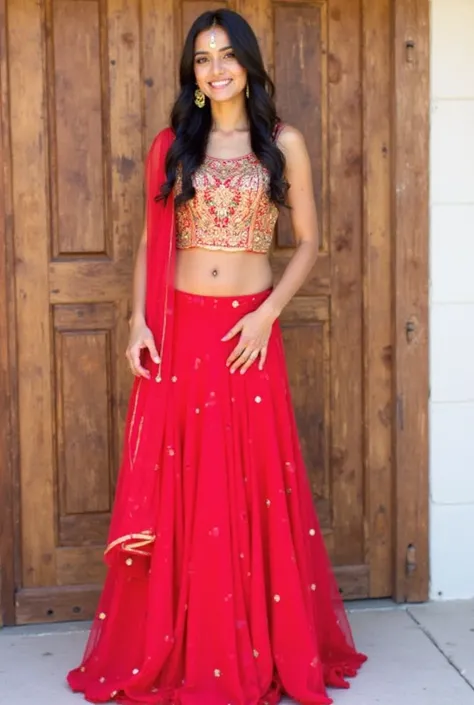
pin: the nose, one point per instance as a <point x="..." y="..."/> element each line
<point x="217" y="65"/>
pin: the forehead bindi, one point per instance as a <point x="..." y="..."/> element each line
<point x="204" y="40"/>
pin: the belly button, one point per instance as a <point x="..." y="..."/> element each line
<point x="215" y="272"/>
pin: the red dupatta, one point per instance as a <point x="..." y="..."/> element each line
<point x="134" y="513"/>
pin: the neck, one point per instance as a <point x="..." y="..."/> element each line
<point x="230" y="116"/>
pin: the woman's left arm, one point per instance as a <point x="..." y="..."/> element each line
<point x="303" y="220"/>
<point x="255" y="327"/>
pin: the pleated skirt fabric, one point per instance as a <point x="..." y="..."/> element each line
<point x="236" y="603"/>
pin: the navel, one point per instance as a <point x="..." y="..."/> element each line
<point x="215" y="272"/>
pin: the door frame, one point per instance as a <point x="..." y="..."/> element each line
<point x="398" y="153"/>
<point x="9" y="461"/>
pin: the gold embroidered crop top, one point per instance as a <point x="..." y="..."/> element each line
<point x="231" y="209"/>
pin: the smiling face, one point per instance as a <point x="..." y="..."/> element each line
<point x="218" y="73"/>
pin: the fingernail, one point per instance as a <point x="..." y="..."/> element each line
<point x="232" y="372"/>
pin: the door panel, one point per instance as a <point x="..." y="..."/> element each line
<point x="91" y="83"/>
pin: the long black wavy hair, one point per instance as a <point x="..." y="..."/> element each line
<point x="192" y="125"/>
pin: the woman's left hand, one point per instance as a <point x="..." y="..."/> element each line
<point x="255" y="329"/>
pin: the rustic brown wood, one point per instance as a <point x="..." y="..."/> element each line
<point x="410" y="297"/>
<point x="74" y="241"/>
<point x="70" y="283"/>
<point x="346" y="299"/>
<point x="302" y="94"/>
<point x="29" y="151"/>
<point x="92" y="528"/>
<point x="79" y="216"/>
<point x="126" y="106"/>
<point x="77" y="566"/>
<point x="376" y="91"/>
<point x="56" y="604"/>
<point x="160" y="38"/>
<point x="353" y="581"/>
<point x="7" y="336"/>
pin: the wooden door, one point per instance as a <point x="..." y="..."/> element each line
<point x="90" y="83"/>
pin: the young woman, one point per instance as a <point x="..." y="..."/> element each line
<point x="219" y="589"/>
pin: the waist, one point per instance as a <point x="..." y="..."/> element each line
<point x="211" y="273"/>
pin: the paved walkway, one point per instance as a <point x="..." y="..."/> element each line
<point x="419" y="655"/>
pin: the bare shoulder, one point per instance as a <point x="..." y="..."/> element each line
<point x="292" y="143"/>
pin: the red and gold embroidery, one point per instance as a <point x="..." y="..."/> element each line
<point x="231" y="209"/>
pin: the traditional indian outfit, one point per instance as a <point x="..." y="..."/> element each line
<point x="219" y="590"/>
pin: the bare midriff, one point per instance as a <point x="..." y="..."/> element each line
<point x="220" y="273"/>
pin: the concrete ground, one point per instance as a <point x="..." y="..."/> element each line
<point x="418" y="655"/>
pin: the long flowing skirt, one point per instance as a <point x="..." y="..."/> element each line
<point x="236" y="603"/>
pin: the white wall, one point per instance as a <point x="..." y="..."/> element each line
<point x="452" y="299"/>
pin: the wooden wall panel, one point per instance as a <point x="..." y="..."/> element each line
<point x="300" y="77"/>
<point x="84" y="344"/>
<point x="80" y="565"/>
<point x="82" y="144"/>
<point x="9" y="476"/>
<point x="260" y="15"/>
<point x="159" y="64"/>
<point x="85" y="415"/>
<point x="32" y="248"/>
<point x="378" y="356"/>
<point x="83" y="529"/>
<point x="78" y="184"/>
<point x="345" y="130"/>
<point x="126" y="195"/>
<point x="307" y="346"/>
<point x="410" y="188"/>
<point x="191" y="9"/>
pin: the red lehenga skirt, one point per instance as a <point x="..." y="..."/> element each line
<point x="234" y="603"/>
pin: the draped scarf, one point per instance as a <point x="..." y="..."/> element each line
<point x="133" y="516"/>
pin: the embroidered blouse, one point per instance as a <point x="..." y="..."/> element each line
<point x="231" y="209"/>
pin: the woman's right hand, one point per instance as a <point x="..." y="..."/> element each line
<point x="141" y="338"/>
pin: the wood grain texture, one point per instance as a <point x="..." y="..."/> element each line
<point x="410" y="191"/>
<point x="260" y="15"/>
<point x="377" y="156"/>
<point x="65" y="306"/>
<point x="124" y="32"/>
<point x="9" y="549"/>
<point x="32" y="250"/>
<point x="78" y="188"/>
<point x="57" y="604"/>
<point x="84" y="344"/>
<point x="160" y="28"/>
<point x="84" y="415"/>
<point x="345" y="145"/>
<point x="300" y="64"/>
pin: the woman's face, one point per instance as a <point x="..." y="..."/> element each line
<point x="218" y="73"/>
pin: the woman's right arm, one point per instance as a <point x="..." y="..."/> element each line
<point x="141" y="336"/>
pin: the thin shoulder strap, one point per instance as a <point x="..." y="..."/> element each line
<point x="277" y="130"/>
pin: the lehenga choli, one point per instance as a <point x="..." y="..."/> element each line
<point x="219" y="590"/>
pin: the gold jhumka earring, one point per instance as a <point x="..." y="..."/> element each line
<point x="247" y="91"/>
<point x="199" y="98"/>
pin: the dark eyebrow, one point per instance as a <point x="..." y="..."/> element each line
<point x="206" y="52"/>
